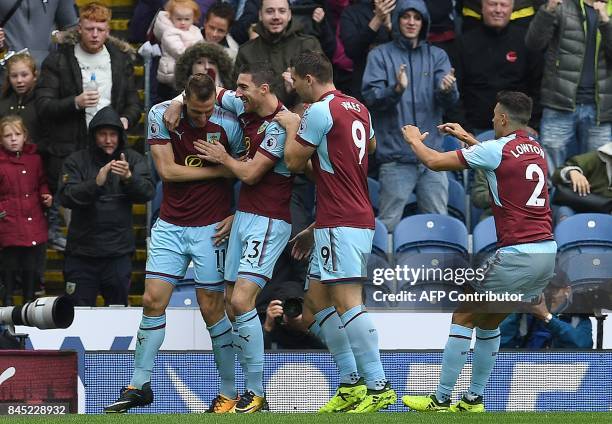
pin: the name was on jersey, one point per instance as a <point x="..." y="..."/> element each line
<point x="522" y="149"/>
<point x="351" y="106"/>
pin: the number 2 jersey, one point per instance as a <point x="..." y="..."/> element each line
<point x="271" y="196"/>
<point x="515" y="168"/>
<point x="195" y="203"/>
<point x="340" y="128"/>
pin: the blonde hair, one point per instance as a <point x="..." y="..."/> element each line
<point x="13" y="121"/>
<point x="173" y="4"/>
<point x="21" y="57"/>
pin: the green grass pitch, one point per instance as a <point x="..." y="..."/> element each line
<point x="270" y="418"/>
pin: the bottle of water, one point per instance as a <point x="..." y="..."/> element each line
<point x="92" y="85"/>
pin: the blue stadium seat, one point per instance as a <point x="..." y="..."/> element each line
<point x="586" y="273"/>
<point x="585" y="233"/>
<point x="475" y="214"/>
<point x="379" y="244"/>
<point x="456" y="200"/>
<point x="183" y="298"/>
<point x="487" y="135"/>
<point x="484" y="239"/>
<point x="450" y="143"/>
<point x="430" y="233"/>
<point x="156" y="202"/>
<point x="373" y="189"/>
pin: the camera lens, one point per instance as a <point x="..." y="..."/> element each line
<point x="292" y="307"/>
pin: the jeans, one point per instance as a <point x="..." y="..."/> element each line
<point x="558" y="128"/>
<point x="399" y="180"/>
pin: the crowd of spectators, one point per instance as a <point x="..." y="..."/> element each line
<point x="419" y="62"/>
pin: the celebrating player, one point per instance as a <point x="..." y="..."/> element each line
<point x="337" y="133"/>
<point x="261" y="226"/>
<point x="515" y="167"/>
<point x="194" y="225"/>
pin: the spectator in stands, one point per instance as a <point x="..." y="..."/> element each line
<point x="364" y="25"/>
<point x="32" y="24"/>
<point x="522" y="13"/>
<point x="491" y="58"/>
<point x="577" y="84"/>
<point x="204" y="58"/>
<point x="175" y="30"/>
<point x="283" y="326"/>
<point x="278" y="42"/>
<point x="3" y="43"/>
<point x="64" y="104"/>
<point x="308" y="17"/>
<point x="218" y="21"/>
<point x="589" y="173"/>
<point x="442" y="28"/>
<point x="408" y="80"/>
<point x="18" y="93"/>
<point x="142" y="17"/>
<point x="480" y="195"/>
<point x="100" y="184"/>
<point x="23" y="195"/>
<point x="547" y="327"/>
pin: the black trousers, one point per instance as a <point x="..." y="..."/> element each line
<point x="86" y="277"/>
<point x="24" y="263"/>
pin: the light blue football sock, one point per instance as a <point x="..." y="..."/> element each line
<point x="225" y="357"/>
<point x="238" y="352"/>
<point x="485" y="353"/>
<point x="453" y="360"/>
<point x="250" y="339"/>
<point x="337" y="342"/>
<point x="363" y="338"/>
<point x="149" y="339"/>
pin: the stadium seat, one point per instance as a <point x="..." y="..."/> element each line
<point x="183" y="298"/>
<point x="430" y="233"/>
<point x="411" y="206"/>
<point x="487" y="135"/>
<point x="450" y="143"/>
<point x="379" y="244"/>
<point x="585" y="233"/>
<point x="475" y="214"/>
<point x="373" y="190"/>
<point x="456" y="200"/>
<point x="484" y="240"/>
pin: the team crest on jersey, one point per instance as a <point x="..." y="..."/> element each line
<point x="303" y="124"/>
<point x="213" y="137"/>
<point x="263" y="127"/>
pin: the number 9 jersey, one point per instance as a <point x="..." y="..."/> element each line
<point x="340" y="128"/>
<point x="515" y="168"/>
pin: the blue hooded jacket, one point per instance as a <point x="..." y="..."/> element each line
<point x="421" y="104"/>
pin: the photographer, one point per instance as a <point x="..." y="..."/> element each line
<point x="283" y="325"/>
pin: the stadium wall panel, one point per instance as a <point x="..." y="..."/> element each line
<point x="303" y="381"/>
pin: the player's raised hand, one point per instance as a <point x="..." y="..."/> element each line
<point x="223" y="231"/>
<point x="302" y="244"/>
<point x="413" y="135"/>
<point x="448" y="81"/>
<point x="318" y="14"/>
<point x="401" y="79"/>
<point x="172" y="115"/>
<point x="213" y="152"/>
<point x="580" y="184"/>
<point x="288" y="80"/>
<point x="457" y="131"/>
<point x="288" y="120"/>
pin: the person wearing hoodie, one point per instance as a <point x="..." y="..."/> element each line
<point x="66" y="97"/>
<point x="278" y="42"/>
<point x="408" y="80"/>
<point x="100" y="184"/>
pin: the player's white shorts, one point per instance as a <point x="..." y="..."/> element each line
<point x="255" y="244"/>
<point x="173" y="247"/>
<point x="519" y="269"/>
<point x="340" y="254"/>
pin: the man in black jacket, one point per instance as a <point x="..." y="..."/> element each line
<point x="490" y="58"/>
<point x="80" y="78"/>
<point x="100" y="184"/>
